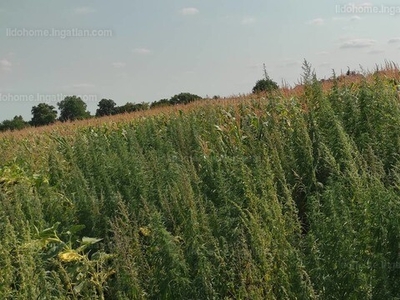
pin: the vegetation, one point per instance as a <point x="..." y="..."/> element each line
<point x="131" y="107"/>
<point x="160" y="103"/>
<point x="291" y="197"/>
<point x="265" y="85"/>
<point x="182" y="98"/>
<point x="73" y="108"/>
<point x="17" y="123"/>
<point x="43" y="114"/>
<point x="106" y="108"/>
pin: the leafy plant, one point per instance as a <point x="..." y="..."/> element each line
<point x="72" y="108"/>
<point x="266" y="84"/>
<point x="83" y="272"/>
<point x="43" y="114"/>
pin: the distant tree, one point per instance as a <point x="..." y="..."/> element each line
<point x="136" y="106"/>
<point x="184" y="98"/>
<point x="160" y="103"/>
<point x="143" y="106"/>
<point x="266" y="84"/>
<point x="106" y="108"/>
<point x="72" y="108"/>
<point x="43" y="114"/>
<point x="127" y="108"/>
<point x="131" y="107"/>
<point x="15" y="124"/>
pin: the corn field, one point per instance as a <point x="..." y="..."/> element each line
<point x="287" y="196"/>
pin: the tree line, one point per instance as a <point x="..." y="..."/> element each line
<point x="74" y="108"/>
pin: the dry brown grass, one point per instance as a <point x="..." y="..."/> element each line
<point x="68" y="128"/>
<point x="390" y="71"/>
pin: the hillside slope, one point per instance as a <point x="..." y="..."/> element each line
<point x="291" y="197"/>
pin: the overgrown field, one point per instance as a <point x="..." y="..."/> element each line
<point x="284" y="197"/>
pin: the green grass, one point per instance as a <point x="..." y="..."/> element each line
<point x="290" y="197"/>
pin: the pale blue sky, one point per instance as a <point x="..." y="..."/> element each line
<point x="159" y="48"/>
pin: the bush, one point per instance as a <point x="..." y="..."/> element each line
<point x="265" y="85"/>
<point x="184" y="98"/>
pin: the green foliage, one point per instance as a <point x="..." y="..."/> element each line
<point x="106" y="108"/>
<point x="43" y="114"/>
<point x="266" y="84"/>
<point x="291" y="198"/>
<point x="131" y="107"/>
<point x="160" y="103"/>
<point x="72" y="108"/>
<point x="17" y="123"/>
<point x="183" y="98"/>
<point x="83" y="273"/>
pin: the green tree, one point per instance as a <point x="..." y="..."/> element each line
<point x="160" y="103"/>
<point x="15" y="124"/>
<point x="106" y="108"/>
<point x="266" y="84"/>
<point x="72" y="108"/>
<point x="184" y="98"/>
<point x="131" y="107"/>
<point x="43" y="114"/>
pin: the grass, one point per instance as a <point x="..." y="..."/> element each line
<point x="293" y="195"/>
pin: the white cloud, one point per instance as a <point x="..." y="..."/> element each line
<point x="394" y="41"/>
<point x="322" y="53"/>
<point x="142" y="51"/>
<point x="118" y="65"/>
<point x="189" y="11"/>
<point x="352" y="18"/>
<point x="248" y="20"/>
<point x="84" y="10"/>
<point x="344" y="38"/>
<point x="5" y="64"/>
<point x="358" y="43"/>
<point x="376" y="51"/>
<point x="317" y="21"/>
<point x="355" y="18"/>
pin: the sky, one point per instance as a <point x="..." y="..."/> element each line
<point x="145" y="50"/>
